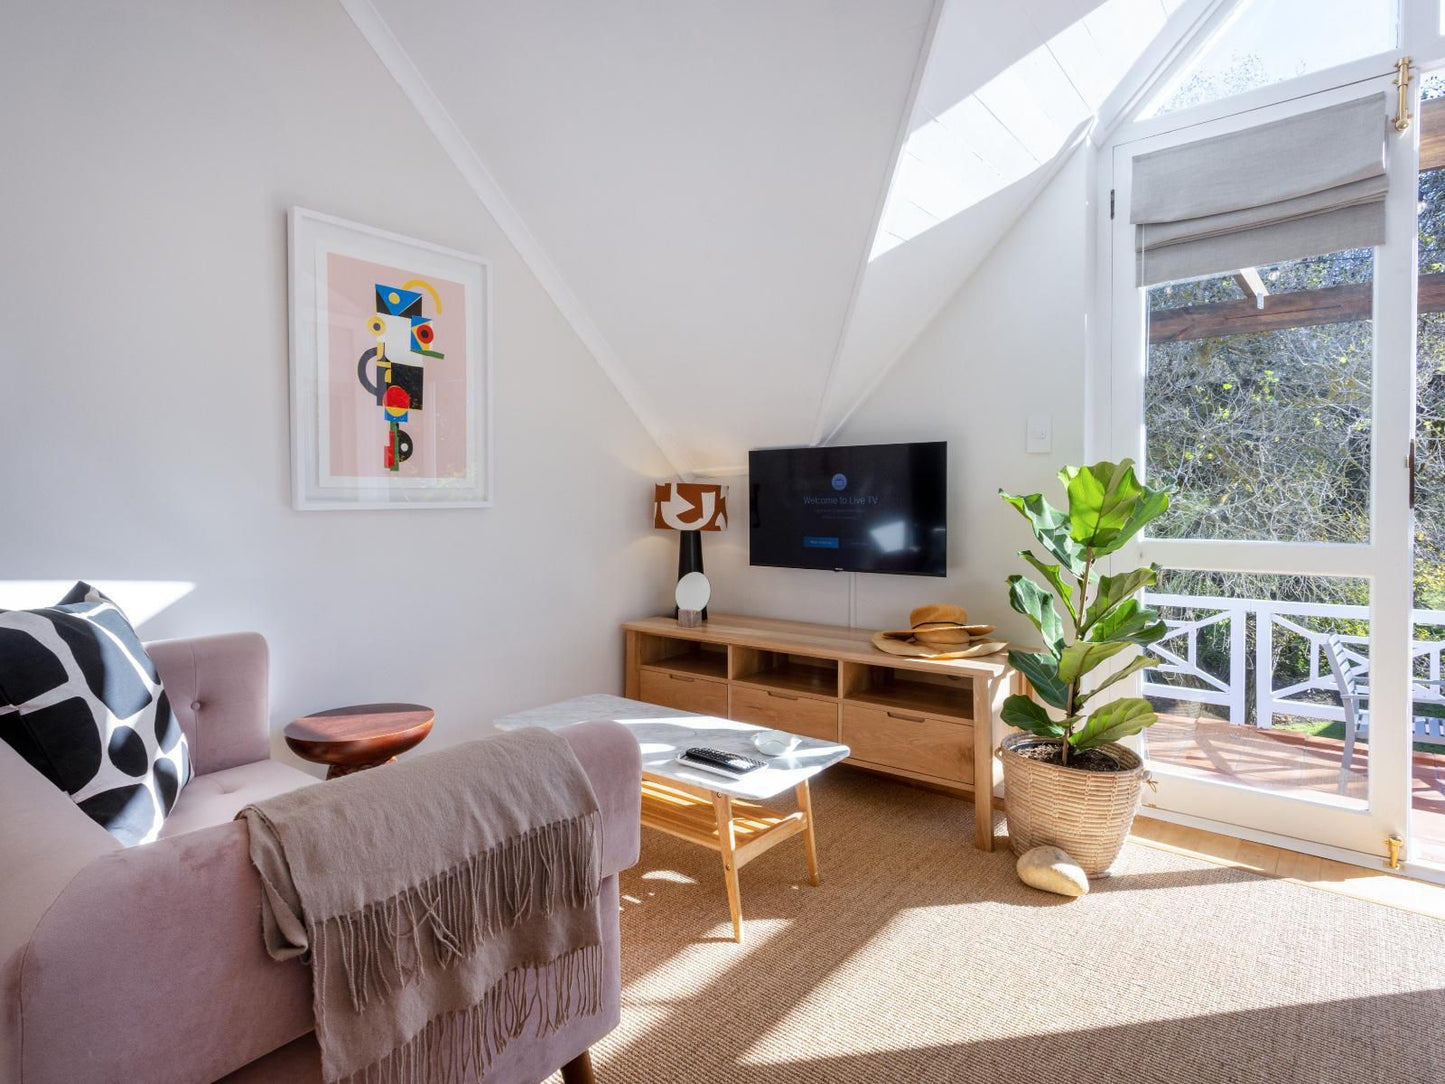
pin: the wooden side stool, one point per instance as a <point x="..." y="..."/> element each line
<point x="361" y="736"/>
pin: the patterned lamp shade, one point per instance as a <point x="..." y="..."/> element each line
<point x="689" y="506"/>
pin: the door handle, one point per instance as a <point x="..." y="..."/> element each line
<point x="679" y="677"/>
<point x="782" y="696"/>
<point x="1412" y="465"/>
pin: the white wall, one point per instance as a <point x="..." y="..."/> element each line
<point x="1010" y="344"/>
<point x="151" y="151"/>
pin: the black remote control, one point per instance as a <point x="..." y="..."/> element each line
<point x="715" y="760"/>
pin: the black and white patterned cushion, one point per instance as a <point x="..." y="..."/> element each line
<point x="82" y="702"/>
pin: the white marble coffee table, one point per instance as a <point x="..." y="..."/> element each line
<point x="710" y="810"/>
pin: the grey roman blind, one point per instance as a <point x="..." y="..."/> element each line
<point x="1301" y="186"/>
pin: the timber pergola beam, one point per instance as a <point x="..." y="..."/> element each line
<point x="1275" y="312"/>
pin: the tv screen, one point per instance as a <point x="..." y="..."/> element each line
<point x="866" y="508"/>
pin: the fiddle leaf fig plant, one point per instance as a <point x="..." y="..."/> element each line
<point x="1102" y="615"/>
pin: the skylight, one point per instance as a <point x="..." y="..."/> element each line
<point x="1016" y="122"/>
<point x="1269" y="41"/>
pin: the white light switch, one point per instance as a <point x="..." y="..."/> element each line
<point x="1040" y="434"/>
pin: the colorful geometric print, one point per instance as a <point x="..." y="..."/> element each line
<point x="399" y="384"/>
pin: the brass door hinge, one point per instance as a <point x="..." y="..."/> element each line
<point x="1402" y="87"/>
<point x="1394" y="851"/>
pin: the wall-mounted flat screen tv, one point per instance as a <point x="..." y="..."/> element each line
<point x="865" y="508"/>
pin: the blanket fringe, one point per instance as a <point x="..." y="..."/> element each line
<point x="459" y="1046"/>
<point x="391" y="943"/>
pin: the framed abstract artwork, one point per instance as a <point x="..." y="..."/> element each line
<point x="391" y="392"/>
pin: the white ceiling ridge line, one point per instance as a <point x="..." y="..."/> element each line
<point x="484" y="186"/>
<point x="1181" y="38"/>
<point x="900" y="140"/>
<point x="1041" y="178"/>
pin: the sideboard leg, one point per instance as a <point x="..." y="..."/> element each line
<point x="985" y="764"/>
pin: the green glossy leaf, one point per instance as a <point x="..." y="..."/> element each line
<point x="1078" y="659"/>
<point x="1115" y="720"/>
<point x="1055" y="575"/>
<point x="1143" y="662"/>
<point x="1023" y="713"/>
<point x="1115" y="589"/>
<point x="1051" y="527"/>
<point x="1042" y="670"/>
<point x="1108" y="505"/>
<point x="1129" y="622"/>
<point x="1031" y="600"/>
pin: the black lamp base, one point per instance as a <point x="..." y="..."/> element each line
<point x="689" y="559"/>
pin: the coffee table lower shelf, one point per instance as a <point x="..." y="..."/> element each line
<point x="738" y="830"/>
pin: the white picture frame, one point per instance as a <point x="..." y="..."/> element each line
<point x="365" y="433"/>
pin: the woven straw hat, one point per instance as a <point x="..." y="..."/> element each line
<point x="939" y="630"/>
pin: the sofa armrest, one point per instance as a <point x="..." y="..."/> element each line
<point x="46" y="841"/>
<point x="610" y="756"/>
<point x="159" y="943"/>
<point x="217" y="686"/>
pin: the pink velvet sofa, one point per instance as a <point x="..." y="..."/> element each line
<point x="146" y="964"/>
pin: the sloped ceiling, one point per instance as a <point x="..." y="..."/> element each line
<point x="704" y="176"/>
<point x="704" y="182"/>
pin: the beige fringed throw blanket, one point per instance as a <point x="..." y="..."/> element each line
<point x="447" y="903"/>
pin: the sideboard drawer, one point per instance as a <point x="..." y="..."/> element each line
<point x="786" y="711"/>
<point x="910" y="741"/>
<point x="684" y="692"/>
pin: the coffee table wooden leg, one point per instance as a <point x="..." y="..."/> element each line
<point x="723" y="807"/>
<point x="810" y="843"/>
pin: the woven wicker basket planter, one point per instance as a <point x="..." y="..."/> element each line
<point x="1086" y="813"/>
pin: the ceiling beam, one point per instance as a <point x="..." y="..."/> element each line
<point x="484" y="186"/>
<point x="819" y="433"/>
<point x="1186" y="33"/>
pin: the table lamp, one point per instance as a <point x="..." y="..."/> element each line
<point x="689" y="508"/>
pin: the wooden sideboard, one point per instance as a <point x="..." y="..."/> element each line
<point x="934" y="722"/>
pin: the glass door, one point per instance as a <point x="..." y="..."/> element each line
<point x="1277" y="401"/>
<point x="1427" y="691"/>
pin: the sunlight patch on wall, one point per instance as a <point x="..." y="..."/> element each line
<point x="1016" y="122"/>
<point x="140" y="600"/>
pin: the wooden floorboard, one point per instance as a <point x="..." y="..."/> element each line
<point x="1377" y="886"/>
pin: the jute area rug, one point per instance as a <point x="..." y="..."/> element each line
<point x="922" y="959"/>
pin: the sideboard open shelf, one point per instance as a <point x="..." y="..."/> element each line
<point x="933" y="722"/>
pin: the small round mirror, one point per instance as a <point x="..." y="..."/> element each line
<point x="693" y="591"/>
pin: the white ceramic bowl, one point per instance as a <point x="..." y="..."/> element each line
<point x="775" y="743"/>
